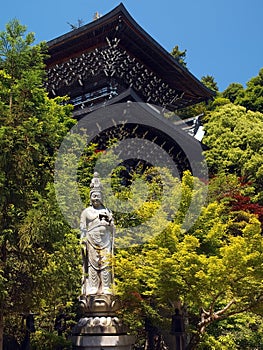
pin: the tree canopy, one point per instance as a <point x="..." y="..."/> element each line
<point x="213" y="271"/>
<point x="179" y="55"/>
<point x="32" y="229"/>
<point x="250" y="97"/>
<point x="234" y="138"/>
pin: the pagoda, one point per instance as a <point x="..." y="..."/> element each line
<point x="112" y="60"/>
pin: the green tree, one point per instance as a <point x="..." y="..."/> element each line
<point x="32" y="127"/>
<point x="213" y="272"/>
<point x="233" y="91"/>
<point x="234" y="139"/>
<point x="209" y="81"/>
<point x="242" y="331"/>
<point x="179" y="55"/>
<point x="252" y="98"/>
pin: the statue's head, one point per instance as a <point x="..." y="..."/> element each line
<point x="95" y="191"/>
<point x="96" y="199"/>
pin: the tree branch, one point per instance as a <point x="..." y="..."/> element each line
<point x="209" y="317"/>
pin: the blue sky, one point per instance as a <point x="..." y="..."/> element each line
<point x="223" y="38"/>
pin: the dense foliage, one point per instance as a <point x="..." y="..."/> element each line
<point x="34" y="235"/>
<point x="251" y="97"/>
<point x="210" y="273"/>
<point x="234" y="137"/>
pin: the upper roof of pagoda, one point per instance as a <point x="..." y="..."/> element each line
<point x="116" y="47"/>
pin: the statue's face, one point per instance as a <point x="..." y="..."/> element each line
<point x="96" y="199"/>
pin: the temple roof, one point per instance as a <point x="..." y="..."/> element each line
<point x="115" y="48"/>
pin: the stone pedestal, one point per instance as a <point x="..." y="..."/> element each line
<point x="101" y="342"/>
<point x="100" y="328"/>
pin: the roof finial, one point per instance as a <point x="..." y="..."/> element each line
<point x="97" y="15"/>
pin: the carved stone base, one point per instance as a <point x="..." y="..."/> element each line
<point x="102" y="341"/>
<point x="99" y="327"/>
<point x="99" y="304"/>
<point x="101" y="332"/>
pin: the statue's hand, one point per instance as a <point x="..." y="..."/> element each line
<point x="83" y="233"/>
<point x="104" y="222"/>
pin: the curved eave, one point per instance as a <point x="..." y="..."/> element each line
<point x="160" y="60"/>
<point x="135" y="40"/>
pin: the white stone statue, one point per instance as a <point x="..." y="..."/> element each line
<point x="97" y="231"/>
